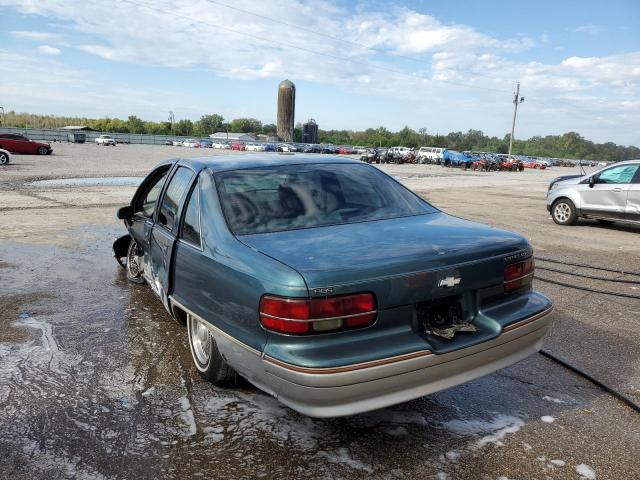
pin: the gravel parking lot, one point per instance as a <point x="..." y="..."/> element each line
<point x="96" y="380"/>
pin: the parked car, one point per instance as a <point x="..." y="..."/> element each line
<point x="20" y="144"/>
<point x="269" y="147"/>
<point x="439" y="301"/>
<point x="219" y="144"/>
<point x="190" y="142"/>
<point x="345" y="150"/>
<point x="204" y="144"/>
<point x="177" y="143"/>
<point x="5" y="157"/>
<point x="328" y="149"/>
<point x="105" y="140"/>
<point x="285" y="147"/>
<point x="509" y="163"/>
<point x="533" y="164"/>
<point x="610" y="194"/>
<point x="430" y="155"/>
<point x="255" y="147"/>
<point x="238" y="146"/>
<point x="312" y="148"/>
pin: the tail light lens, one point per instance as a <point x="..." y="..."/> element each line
<point x="518" y="275"/>
<point x="299" y="316"/>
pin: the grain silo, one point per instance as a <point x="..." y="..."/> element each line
<point x="310" y="132"/>
<point x="286" y="110"/>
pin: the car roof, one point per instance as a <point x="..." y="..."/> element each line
<point x="221" y="163"/>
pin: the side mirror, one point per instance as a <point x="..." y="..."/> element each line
<point x="592" y="181"/>
<point x="125" y="213"/>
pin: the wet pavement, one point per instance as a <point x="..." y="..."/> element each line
<point x="96" y="381"/>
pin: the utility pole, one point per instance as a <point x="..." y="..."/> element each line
<point x="172" y="119"/>
<point x="516" y="100"/>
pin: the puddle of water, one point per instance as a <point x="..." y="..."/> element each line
<point x="88" y="182"/>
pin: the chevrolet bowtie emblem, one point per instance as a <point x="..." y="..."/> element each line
<point x="449" y="282"/>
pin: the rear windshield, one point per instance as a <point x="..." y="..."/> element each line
<point x="291" y="197"/>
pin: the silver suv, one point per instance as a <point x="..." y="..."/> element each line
<point x="611" y="194"/>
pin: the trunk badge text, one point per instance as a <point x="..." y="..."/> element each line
<point x="449" y="282"/>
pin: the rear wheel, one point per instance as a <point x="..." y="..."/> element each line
<point x="206" y="355"/>
<point x="564" y="212"/>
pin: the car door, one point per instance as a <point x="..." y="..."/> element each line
<point x="607" y="196"/>
<point x="8" y="142"/>
<point x="633" y="199"/>
<point x="144" y="207"/>
<point x="164" y="231"/>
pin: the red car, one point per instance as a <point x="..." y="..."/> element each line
<point x="532" y="164"/>
<point x="237" y="146"/>
<point x="344" y="150"/>
<point x="19" y="144"/>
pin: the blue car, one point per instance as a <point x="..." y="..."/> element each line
<point x="269" y="147"/>
<point x="326" y="283"/>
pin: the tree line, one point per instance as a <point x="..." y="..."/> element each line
<point x="568" y="145"/>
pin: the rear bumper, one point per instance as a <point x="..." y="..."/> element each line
<point x="338" y="393"/>
<point x="352" y="389"/>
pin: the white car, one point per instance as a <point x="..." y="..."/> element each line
<point x="218" y="144"/>
<point x="191" y="142"/>
<point x="610" y="194"/>
<point x="176" y="143"/>
<point x="5" y="157"/>
<point x="105" y="140"/>
<point x="254" y="147"/>
<point x="430" y="154"/>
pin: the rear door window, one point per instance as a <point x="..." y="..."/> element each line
<point x="176" y="189"/>
<point x="191" y="224"/>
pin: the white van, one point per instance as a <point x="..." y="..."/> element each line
<point x="430" y="154"/>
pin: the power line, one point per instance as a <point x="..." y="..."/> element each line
<point x="303" y="49"/>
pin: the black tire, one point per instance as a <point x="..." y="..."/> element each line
<point x="604" y="222"/>
<point x="43" y="151"/>
<point x="214" y="368"/>
<point x="4" y="158"/>
<point x="564" y="212"/>
<point x="134" y="270"/>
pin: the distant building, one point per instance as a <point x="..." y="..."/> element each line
<point x="261" y="137"/>
<point x="233" y="137"/>
<point x="82" y="128"/>
<point x="310" y="132"/>
<point x="286" y="110"/>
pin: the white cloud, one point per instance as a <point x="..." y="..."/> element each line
<point x="49" y="50"/>
<point x="589" y="29"/>
<point x="371" y="60"/>
<point x="35" y="36"/>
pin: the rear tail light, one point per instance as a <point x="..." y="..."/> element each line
<point x="299" y="316"/>
<point x="518" y="275"/>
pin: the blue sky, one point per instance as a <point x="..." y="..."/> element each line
<point x="440" y="65"/>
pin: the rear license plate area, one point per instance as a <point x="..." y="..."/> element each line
<point x="446" y="317"/>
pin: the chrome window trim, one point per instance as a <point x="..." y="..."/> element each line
<point x="181" y="239"/>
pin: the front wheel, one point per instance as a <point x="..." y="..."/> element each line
<point x="4" y="158"/>
<point x="206" y="355"/>
<point x="134" y="269"/>
<point x="43" y="151"/>
<point x="564" y="212"/>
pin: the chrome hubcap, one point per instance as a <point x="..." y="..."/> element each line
<point x="132" y="262"/>
<point x="200" y="341"/>
<point x="562" y="212"/>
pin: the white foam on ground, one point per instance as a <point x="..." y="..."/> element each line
<point x="343" y="457"/>
<point x="585" y="471"/>
<point x="547" y="419"/>
<point x="497" y="428"/>
<point x="187" y="416"/>
<point x="553" y="399"/>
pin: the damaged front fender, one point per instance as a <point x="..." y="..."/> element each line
<point x="120" y="248"/>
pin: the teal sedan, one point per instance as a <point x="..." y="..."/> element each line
<point x="325" y="282"/>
